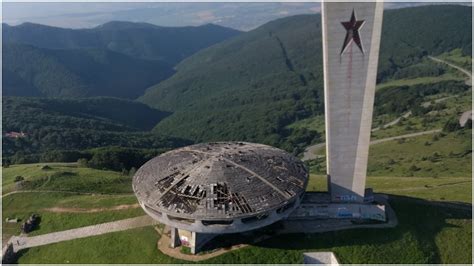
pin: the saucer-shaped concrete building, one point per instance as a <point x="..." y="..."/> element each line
<point x="222" y="187"/>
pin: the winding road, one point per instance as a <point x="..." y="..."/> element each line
<point x="465" y="71"/>
<point x="310" y="152"/>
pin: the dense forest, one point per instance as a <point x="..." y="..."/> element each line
<point x="249" y="87"/>
<point x="32" y="71"/>
<point x="119" y="59"/>
<point x="137" y="40"/>
<point x="400" y="99"/>
<point x="62" y="129"/>
<point x="252" y="86"/>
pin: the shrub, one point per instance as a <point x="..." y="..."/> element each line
<point x="452" y="125"/>
<point x="19" y="178"/>
<point x="82" y="162"/>
<point x="185" y="250"/>
<point x="391" y="162"/>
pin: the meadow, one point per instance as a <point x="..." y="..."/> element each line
<point x="427" y="233"/>
<point x="68" y="177"/>
<point x="66" y="186"/>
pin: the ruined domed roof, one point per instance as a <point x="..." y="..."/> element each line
<point x="220" y="180"/>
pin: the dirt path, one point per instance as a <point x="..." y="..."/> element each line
<point x="416" y="134"/>
<point x="464" y="71"/>
<point x="22" y="242"/>
<point x="164" y="246"/>
<point x="424" y="187"/>
<point x="394" y="122"/>
<point x="64" y="191"/>
<point x="91" y="210"/>
<point x="309" y="153"/>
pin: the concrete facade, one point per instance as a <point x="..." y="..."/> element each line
<point x="318" y="205"/>
<point x="351" y="40"/>
<point x="320" y="258"/>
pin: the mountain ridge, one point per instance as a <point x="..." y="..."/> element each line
<point x="33" y="71"/>
<point x="140" y="40"/>
<point x="253" y="85"/>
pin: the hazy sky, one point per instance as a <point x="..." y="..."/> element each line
<point x="243" y="16"/>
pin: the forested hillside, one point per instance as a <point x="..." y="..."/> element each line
<point x="61" y="129"/>
<point x="101" y="113"/>
<point x="251" y="86"/>
<point x="32" y="71"/>
<point x="139" y="40"/>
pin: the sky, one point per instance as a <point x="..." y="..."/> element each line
<point x="242" y="16"/>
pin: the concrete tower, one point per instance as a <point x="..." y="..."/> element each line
<point x="351" y="40"/>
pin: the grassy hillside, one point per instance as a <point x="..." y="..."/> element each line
<point x="59" y="185"/>
<point x="138" y="40"/>
<point x="64" y="177"/>
<point x="429" y="230"/>
<point x="457" y="189"/>
<point x="410" y="33"/>
<point x="431" y="155"/>
<point x="254" y="85"/>
<point x="426" y="234"/>
<point x="32" y="71"/>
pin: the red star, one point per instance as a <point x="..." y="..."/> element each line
<point x="352" y="27"/>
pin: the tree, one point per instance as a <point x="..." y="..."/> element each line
<point x="452" y="125"/>
<point x="124" y="172"/>
<point x="414" y="168"/>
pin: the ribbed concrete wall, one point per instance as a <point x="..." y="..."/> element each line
<point x="351" y="39"/>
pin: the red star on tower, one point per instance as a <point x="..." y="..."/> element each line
<point x="352" y="27"/>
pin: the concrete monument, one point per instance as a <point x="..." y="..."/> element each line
<point x="351" y="40"/>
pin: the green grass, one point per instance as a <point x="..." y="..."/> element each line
<point x="455" y="234"/>
<point x="53" y="180"/>
<point x="417" y="81"/>
<point x="432" y="120"/>
<point x="132" y="246"/>
<point x="315" y="123"/>
<point x="429" y="188"/>
<point x="426" y="234"/>
<point x="431" y="155"/>
<point x="456" y="57"/>
<point x="22" y="205"/>
<point x="65" y="177"/>
<point x="425" y="155"/>
<point x="453" y="106"/>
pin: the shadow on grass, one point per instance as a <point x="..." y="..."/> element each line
<point x="16" y="256"/>
<point x="412" y="241"/>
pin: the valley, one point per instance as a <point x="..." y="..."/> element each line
<point x="84" y="109"/>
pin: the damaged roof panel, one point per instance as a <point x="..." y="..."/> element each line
<point x="220" y="180"/>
